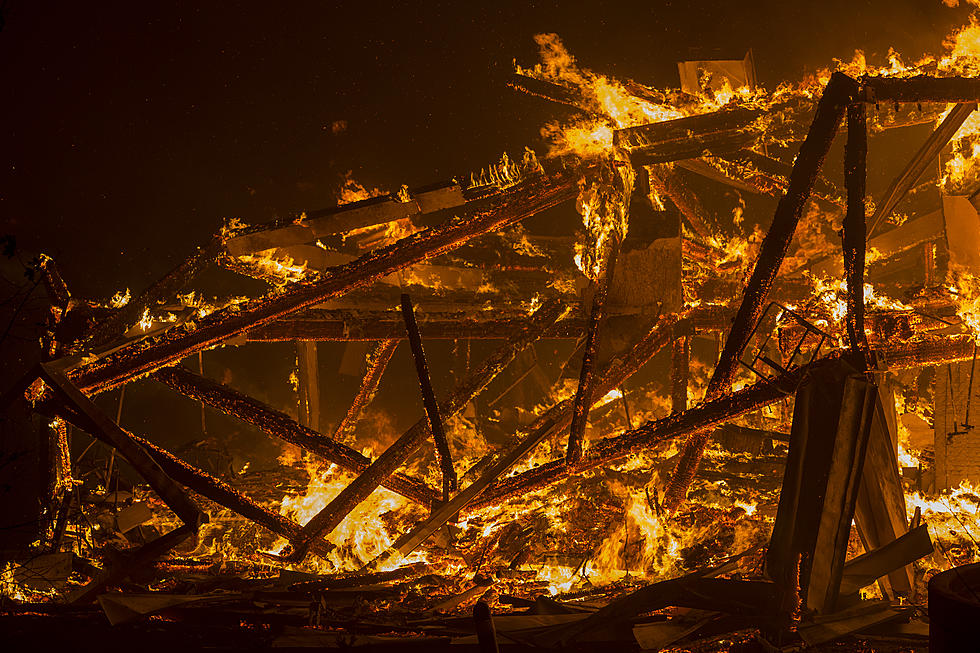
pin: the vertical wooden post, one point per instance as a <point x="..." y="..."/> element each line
<point x="309" y="384"/>
<point x="855" y="227"/>
<point x="680" y="372"/>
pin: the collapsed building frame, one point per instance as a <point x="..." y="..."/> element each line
<point x="83" y="361"/>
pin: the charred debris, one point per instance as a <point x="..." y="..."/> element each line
<point x="715" y="462"/>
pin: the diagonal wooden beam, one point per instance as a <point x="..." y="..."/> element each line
<point x="443" y="454"/>
<point x="377" y="363"/>
<point x="839" y="92"/>
<point x="284" y="427"/>
<point x="926" y="154"/>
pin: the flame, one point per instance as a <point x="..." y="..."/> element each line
<point x="284" y="270"/>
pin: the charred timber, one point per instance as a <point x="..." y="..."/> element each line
<point x="395" y="455"/>
<point x="284" y="427"/>
<point x="210" y="487"/>
<point x="855" y="228"/>
<point x="839" y="92"/>
<point x="377" y="363"/>
<point x="443" y="455"/>
<point x="680" y="372"/>
<point x="920" y="88"/>
<point x="701" y="417"/>
<point x="163" y="290"/>
<point x="54" y="284"/>
<point x="474" y="219"/>
<point x="585" y="390"/>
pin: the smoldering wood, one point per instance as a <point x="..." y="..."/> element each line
<point x="284" y="427"/>
<point x="608" y="450"/>
<point x="160" y="291"/>
<point x="829" y="114"/>
<point x="378" y="361"/>
<point x="119" y="570"/>
<point x="915" y="168"/>
<point x="854" y="236"/>
<point x="926" y="350"/>
<point x="920" y="88"/>
<point x="87" y="416"/>
<point x="429" y="402"/>
<point x="584" y="392"/>
<point x="395" y="455"/>
<point x="475" y="218"/>
<point x="359" y="579"/>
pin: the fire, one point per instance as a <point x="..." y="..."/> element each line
<point x="284" y="270"/>
<point x="363" y="535"/>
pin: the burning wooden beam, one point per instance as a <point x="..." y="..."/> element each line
<point x="377" y="363"/>
<point x="443" y="454"/>
<point x="284" y="427"/>
<point x="926" y="154"/>
<point x="584" y="393"/>
<point x="53" y="282"/>
<point x="549" y="91"/>
<point x="162" y="290"/>
<point x="476" y="218"/>
<point x="926" y="350"/>
<point x="830" y="112"/>
<point x="669" y="183"/>
<point x="223" y="494"/>
<point x="308" y="373"/>
<point x="855" y="229"/>
<point x="360" y="488"/>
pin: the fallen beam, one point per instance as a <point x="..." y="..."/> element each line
<point x="479" y="217"/>
<point x="284" y="427"/>
<point x="840" y="90"/>
<point x="443" y="455"/>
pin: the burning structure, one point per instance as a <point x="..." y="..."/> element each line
<point x="676" y="419"/>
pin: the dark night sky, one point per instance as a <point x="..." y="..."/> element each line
<point x="132" y="128"/>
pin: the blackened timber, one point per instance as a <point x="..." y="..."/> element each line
<point x="476" y="218"/>
<point x="926" y="154"/>
<point x="221" y="493"/>
<point x="703" y="416"/>
<point x="165" y="289"/>
<point x="585" y="390"/>
<point x="920" y="88"/>
<point x="839" y="92"/>
<point x="284" y="427"/>
<point x="680" y="372"/>
<point x="90" y="418"/>
<point x="443" y="455"/>
<point x="855" y="229"/>
<point x="680" y="129"/>
<point x="377" y="363"/>
<point x="409" y="442"/>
